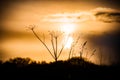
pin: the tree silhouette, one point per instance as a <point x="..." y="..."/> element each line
<point x="21" y="61"/>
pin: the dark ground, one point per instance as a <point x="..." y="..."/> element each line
<point x="74" y="69"/>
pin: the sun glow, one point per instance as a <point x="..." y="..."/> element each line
<point x="68" y="43"/>
<point x="68" y="28"/>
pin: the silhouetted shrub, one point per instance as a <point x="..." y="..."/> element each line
<point x="19" y="62"/>
<point x="43" y="62"/>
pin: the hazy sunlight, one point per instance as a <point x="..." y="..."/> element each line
<point x="69" y="43"/>
<point x="68" y="28"/>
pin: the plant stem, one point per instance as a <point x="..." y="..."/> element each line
<point x="42" y="43"/>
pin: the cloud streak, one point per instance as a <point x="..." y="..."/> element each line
<point x="106" y="15"/>
<point x="69" y="17"/>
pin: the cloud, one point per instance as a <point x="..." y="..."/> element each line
<point x="107" y="15"/>
<point x="69" y="17"/>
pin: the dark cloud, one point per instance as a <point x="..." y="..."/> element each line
<point x="108" y="17"/>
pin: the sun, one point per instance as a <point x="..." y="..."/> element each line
<point x="68" y="28"/>
<point x="69" y="43"/>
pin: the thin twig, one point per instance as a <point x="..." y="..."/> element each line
<point x="52" y="41"/>
<point x="42" y="42"/>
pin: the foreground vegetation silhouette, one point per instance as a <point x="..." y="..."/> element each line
<point x="75" y="68"/>
<point x="56" y="52"/>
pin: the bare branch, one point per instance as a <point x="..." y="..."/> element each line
<point x="61" y="51"/>
<point x="32" y="28"/>
<point x="52" y="41"/>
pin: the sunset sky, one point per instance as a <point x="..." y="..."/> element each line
<point x="96" y="21"/>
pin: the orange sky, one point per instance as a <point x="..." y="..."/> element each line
<point x="67" y="16"/>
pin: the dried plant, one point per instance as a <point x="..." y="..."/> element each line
<point x="73" y="46"/>
<point x="93" y="52"/>
<point x="54" y="37"/>
<point x="54" y="42"/>
<point x="82" y="49"/>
